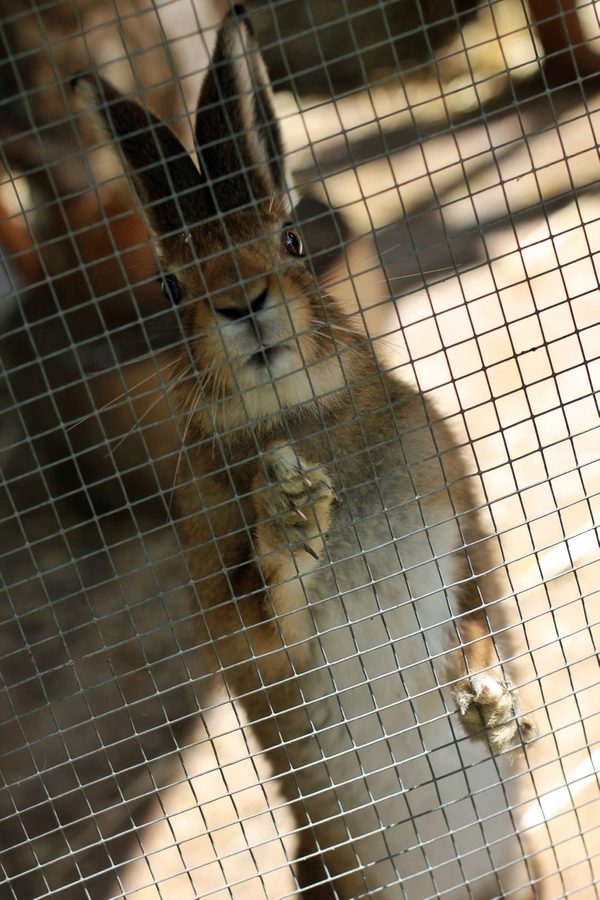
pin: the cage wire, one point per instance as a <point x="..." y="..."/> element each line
<point x="445" y="160"/>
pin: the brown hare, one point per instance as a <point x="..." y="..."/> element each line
<point x="341" y="572"/>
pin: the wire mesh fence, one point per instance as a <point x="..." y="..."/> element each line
<point x="269" y="559"/>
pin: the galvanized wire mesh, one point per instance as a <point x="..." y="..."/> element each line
<point x="446" y="160"/>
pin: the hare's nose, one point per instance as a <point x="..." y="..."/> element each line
<point x="258" y="302"/>
<point x="240" y="312"/>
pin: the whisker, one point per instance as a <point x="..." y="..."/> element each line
<point x="116" y="399"/>
<point x="179" y="455"/>
<point x="425" y="272"/>
<point x="136" y="424"/>
<point x="376" y="261"/>
<point x="380" y="339"/>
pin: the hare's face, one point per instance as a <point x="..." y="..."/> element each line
<point x="256" y="339"/>
<point x="253" y="322"/>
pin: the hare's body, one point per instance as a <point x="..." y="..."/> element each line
<point x="341" y="571"/>
<point x="350" y="650"/>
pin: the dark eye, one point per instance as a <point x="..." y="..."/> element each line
<point x="293" y="242"/>
<point x="171" y="288"/>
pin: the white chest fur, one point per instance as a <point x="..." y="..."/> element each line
<point x="379" y="764"/>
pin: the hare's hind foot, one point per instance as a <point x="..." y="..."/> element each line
<point x="292" y="502"/>
<point x="490" y="710"/>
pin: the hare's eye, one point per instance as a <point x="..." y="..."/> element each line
<point x="171" y="288"/>
<point x="293" y="242"/>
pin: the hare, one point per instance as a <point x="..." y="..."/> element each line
<point x="345" y="585"/>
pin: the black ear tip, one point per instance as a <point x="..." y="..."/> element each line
<point x="83" y="81"/>
<point x="76" y="78"/>
<point x="85" y="90"/>
<point x="239" y="11"/>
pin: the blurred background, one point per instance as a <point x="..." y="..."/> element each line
<point x="445" y="154"/>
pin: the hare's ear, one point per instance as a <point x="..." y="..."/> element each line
<point x="168" y="184"/>
<point x="237" y="133"/>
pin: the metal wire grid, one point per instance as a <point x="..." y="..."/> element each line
<point x="124" y="774"/>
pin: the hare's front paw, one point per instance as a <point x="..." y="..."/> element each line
<point x="490" y="710"/>
<point x="293" y="502"/>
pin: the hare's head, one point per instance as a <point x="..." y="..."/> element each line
<point x="231" y="258"/>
